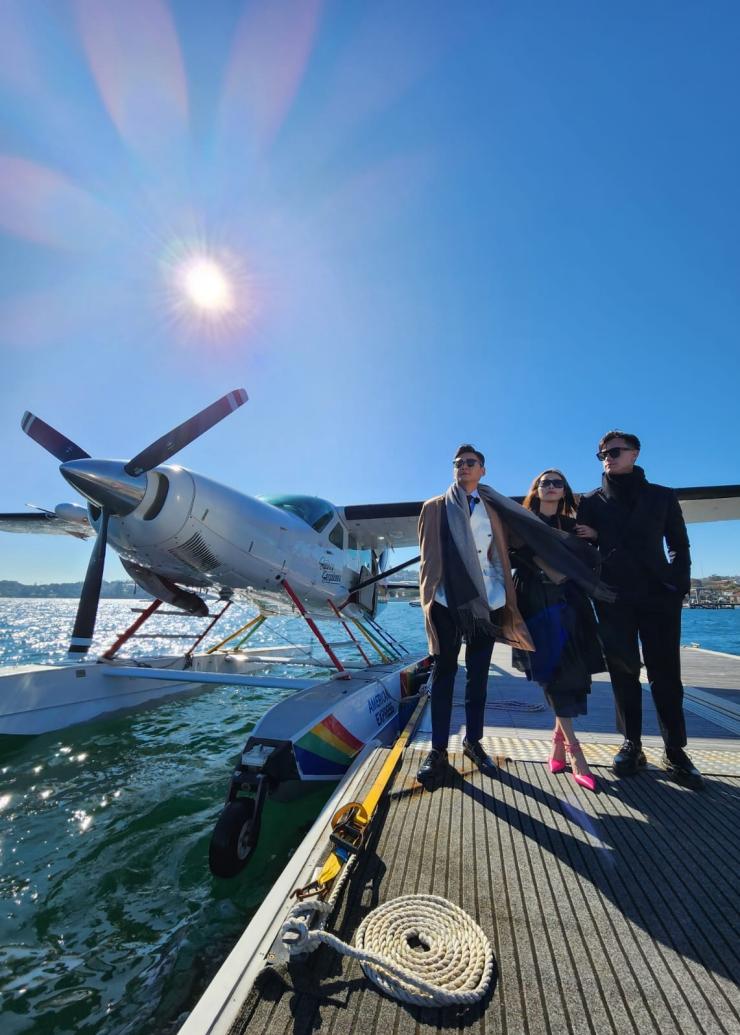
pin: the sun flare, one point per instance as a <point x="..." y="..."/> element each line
<point x="206" y="286"/>
<point x="209" y="290"/>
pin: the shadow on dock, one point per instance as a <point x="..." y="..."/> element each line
<point x="610" y="912"/>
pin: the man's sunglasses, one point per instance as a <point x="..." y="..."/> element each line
<point x="613" y="452"/>
<point x="466" y="462"/>
<point x="555" y="483"/>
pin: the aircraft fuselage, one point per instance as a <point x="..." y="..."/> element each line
<point x="201" y="534"/>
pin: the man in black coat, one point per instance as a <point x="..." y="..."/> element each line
<point x="630" y="518"/>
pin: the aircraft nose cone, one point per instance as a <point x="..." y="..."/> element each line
<point x="106" y="484"/>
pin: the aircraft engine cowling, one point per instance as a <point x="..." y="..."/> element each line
<point x="166" y="590"/>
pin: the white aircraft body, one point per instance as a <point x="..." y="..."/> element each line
<point x="190" y="531"/>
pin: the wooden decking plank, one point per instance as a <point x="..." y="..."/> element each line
<point x="601" y="943"/>
<point x="639" y="895"/>
<point x="686" y="908"/>
<point x="576" y="840"/>
<point x="568" y="905"/>
<point x="582" y="995"/>
<point x="545" y="1008"/>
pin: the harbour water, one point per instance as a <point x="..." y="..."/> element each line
<point x="109" y="919"/>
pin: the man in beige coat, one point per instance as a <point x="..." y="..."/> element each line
<point x="462" y="598"/>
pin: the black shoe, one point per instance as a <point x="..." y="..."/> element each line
<point x="680" y="768"/>
<point x="629" y="758"/>
<point x="433" y="765"/>
<point x="475" y="752"/>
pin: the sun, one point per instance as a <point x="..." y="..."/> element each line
<point x="210" y="291"/>
<point x="206" y="286"/>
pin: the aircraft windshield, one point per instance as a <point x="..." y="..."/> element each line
<point x="314" y="511"/>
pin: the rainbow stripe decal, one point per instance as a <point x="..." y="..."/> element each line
<point x="327" y="749"/>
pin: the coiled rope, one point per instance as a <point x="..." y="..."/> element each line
<point x="420" y="949"/>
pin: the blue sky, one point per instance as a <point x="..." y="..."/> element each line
<point x="508" y="223"/>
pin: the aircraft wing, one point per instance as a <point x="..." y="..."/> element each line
<point x="46" y="522"/>
<point x="710" y="503"/>
<point x="379" y="525"/>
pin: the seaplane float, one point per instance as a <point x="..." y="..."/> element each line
<point x="184" y="539"/>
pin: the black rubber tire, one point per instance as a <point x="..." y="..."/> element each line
<point x="234" y="838"/>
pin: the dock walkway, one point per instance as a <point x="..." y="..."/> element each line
<point x="610" y="912"/>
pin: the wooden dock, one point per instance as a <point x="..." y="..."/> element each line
<point x="610" y="912"/>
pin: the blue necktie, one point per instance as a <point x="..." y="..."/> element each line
<point x="472" y="500"/>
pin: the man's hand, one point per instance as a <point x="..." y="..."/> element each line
<point x="586" y="532"/>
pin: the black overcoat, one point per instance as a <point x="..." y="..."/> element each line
<point x="631" y="538"/>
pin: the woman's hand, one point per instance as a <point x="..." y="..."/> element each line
<point x="586" y="532"/>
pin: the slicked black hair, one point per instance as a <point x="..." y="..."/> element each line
<point x="467" y="448"/>
<point x="632" y="440"/>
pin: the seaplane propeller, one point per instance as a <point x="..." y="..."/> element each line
<point x="116" y="489"/>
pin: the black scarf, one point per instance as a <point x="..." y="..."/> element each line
<point x="624" y="488"/>
<point x="566" y="553"/>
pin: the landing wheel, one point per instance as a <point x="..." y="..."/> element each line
<point x="234" y="838"/>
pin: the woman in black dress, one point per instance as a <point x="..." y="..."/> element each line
<point x="563" y="627"/>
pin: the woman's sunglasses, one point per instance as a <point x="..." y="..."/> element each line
<point x="555" y="483"/>
<point x="613" y="452"/>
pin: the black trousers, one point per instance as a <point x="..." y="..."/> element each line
<point x="657" y="623"/>
<point x="477" y="660"/>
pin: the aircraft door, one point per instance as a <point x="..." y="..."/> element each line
<point x="367" y="598"/>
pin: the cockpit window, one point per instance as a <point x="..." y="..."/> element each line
<point x="336" y="536"/>
<point x="314" y="511"/>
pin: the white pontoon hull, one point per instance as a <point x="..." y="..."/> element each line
<point x="41" y="698"/>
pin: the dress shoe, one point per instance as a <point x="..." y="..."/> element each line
<point x="476" y="753"/>
<point x="557" y="765"/>
<point x="578" y="761"/>
<point x="681" y="769"/>
<point x="433" y="764"/>
<point x="629" y="758"/>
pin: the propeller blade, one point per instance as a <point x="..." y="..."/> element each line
<point x="87" y="609"/>
<point x="161" y="450"/>
<point x="52" y="440"/>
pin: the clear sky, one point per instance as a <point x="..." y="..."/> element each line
<point x="510" y="223"/>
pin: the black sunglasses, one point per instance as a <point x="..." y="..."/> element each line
<point x="613" y="452"/>
<point x="465" y="462"/>
<point x="556" y="483"/>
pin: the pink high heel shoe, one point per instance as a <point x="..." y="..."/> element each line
<point x="557" y="765"/>
<point x="587" y="780"/>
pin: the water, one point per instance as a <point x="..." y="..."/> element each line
<point x="109" y="919"/>
<point x="712" y="630"/>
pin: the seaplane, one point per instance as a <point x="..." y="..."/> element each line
<point x="183" y="539"/>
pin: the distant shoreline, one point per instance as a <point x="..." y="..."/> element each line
<point x="120" y="589"/>
<point x="125" y="589"/>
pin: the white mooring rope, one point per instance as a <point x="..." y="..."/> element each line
<point x="420" y="949"/>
